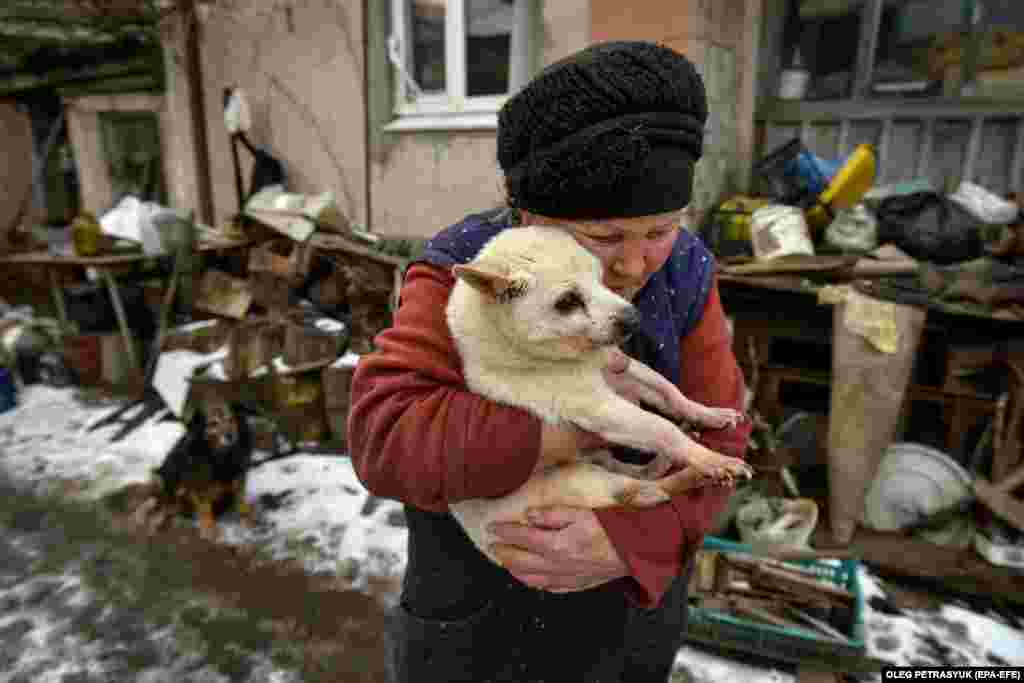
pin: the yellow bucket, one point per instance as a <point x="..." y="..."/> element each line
<point x="847" y="188"/>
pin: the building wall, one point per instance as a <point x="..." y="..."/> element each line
<point x="301" y="66"/>
<point x="320" y="91"/>
<point x="15" y="167"/>
<point x="720" y="37"/>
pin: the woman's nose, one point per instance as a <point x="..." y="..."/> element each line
<point x="631" y="260"/>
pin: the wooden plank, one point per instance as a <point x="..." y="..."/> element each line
<point x="973" y="146"/>
<point x="792" y="112"/>
<point x="865" y="132"/>
<point x="807" y="135"/>
<point x="993" y="166"/>
<point x="924" y="158"/>
<point x="336" y="242"/>
<point x="884" y="143"/>
<point x="823" y="140"/>
<point x="47" y="259"/>
<point x="871" y="20"/>
<point x="903" y="151"/>
<point x="843" y="143"/>
<point x="948" y="153"/>
<point x="1017" y="164"/>
<point x="216" y="244"/>
<point x="955" y="569"/>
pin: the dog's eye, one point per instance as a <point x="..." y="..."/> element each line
<point x="569" y="302"/>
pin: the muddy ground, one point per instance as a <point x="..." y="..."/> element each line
<point x="86" y="596"/>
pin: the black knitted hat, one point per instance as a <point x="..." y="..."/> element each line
<point x="613" y="130"/>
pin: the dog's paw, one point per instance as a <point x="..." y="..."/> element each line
<point x="719" y="418"/>
<point x="722" y="468"/>
<point x="641" y="495"/>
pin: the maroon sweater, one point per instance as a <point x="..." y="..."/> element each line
<point x="418" y="435"/>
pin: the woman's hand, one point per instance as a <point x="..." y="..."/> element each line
<point x="561" y="550"/>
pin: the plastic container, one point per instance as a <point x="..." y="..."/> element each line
<point x="793" y="84"/>
<point x="795" y="176"/>
<point x="850" y="184"/>
<point x="787" y="644"/>
<point x="86" y="234"/>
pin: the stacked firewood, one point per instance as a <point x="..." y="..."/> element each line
<point x="765" y="590"/>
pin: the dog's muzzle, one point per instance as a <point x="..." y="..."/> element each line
<point x="626" y="324"/>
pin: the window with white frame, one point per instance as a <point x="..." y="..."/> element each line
<point x="457" y="61"/>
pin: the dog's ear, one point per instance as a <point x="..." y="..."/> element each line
<point x="494" y="282"/>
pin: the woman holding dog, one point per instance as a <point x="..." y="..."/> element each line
<point x="602" y="144"/>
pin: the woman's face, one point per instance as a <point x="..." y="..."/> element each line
<point x="630" y="249"/>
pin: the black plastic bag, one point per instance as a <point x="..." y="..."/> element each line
<point x="89" y="306"/>
<point x="929" y="227"/>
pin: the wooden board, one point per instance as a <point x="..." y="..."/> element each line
<point x="223" y="295"/>
<point x="961" y="570"/>
<point x="48" y="259"/>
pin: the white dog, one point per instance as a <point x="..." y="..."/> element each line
<point x="535" y="326"/>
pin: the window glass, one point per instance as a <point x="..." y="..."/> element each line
<point x="131" y="148"/>
<point x="428" y="44"/>
<point x="488" y="46"/>
<point x="822" y="38"/>
<point x="913" y="39"/>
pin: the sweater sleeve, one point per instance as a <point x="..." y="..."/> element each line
<point x="415" y="432"/>
<point x="655" y="543"/>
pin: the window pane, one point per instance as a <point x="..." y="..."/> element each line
<point x="428" y="44"/>
<point x="488" y="46"/>
<point x="822" y="38"/>
<point x="131" y="146"/>
<point x="916" y="45"/>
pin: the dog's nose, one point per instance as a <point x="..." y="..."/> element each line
<point x="627" y="323"/>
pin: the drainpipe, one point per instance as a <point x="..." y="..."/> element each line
<point x="367" y="160"/>
<point x="194" y="74"/>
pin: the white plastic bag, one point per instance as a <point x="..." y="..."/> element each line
<point x="984" y="205"/>
<point x="133" y="220"/>
<point x="853" y="229"/>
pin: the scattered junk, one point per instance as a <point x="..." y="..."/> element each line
<point x="879" y="328"/>
<point x="250" y="329"/>
<point x="777" y="521"/>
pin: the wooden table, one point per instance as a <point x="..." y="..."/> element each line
<point x="106" y="265"/>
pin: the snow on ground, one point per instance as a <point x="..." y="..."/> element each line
<point x="314" y="509"/>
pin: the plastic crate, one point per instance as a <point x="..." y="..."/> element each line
<point x="720" y="628"/>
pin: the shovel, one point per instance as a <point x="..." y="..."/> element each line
<point x="237" y="120"/>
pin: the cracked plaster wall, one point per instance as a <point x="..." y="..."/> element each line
<point x="300" y="63"/>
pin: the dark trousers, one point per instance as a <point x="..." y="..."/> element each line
<point x="461" y="618"/>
